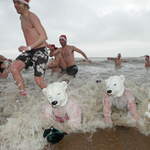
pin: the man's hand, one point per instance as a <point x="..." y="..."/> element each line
<point x="23" y="48"/>
<point x="89" y="61"/>
<point x="2" y="58"/>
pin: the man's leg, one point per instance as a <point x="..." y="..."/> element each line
<point x="15" y="68"/>
<point x="40" y="82"/>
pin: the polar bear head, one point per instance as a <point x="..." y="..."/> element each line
<point x="56" y="94"/>
<point x="115" y="86"/>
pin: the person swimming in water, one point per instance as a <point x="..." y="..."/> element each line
<point x="117" y="60"/>
<point x="147" y="63"/>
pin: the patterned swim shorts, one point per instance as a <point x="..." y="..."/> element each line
<point x="37" y="58"/>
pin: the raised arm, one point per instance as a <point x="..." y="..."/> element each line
<point x="82" y="53"/>
<point x="111" y="58"/>
<point x="125" y="61"/>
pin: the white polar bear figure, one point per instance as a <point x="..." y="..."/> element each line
<point x="61" y="108"/>
<point x="118" y="96"/>
<point x="148" y="112"/>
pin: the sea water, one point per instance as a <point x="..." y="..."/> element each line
<point x="22" y="123"/>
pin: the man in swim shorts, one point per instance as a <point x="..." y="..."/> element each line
<point x="35" y="53"/>
<point x="67" y="53"/>
<point x="3" y="67"/>
<point x="117" y="60"/>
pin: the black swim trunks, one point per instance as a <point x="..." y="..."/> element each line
<point x="72" y="71"/>
<point x="37" y="58"/>
<point x="1" y="69"/>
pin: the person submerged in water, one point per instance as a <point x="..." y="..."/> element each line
<point x="4" y="66"/>
<point x="117" y="60"/>
<point x="67" y="53"/>
<point x="147" y="63"/>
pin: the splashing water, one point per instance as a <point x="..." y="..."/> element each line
<point x="22" y="123"/>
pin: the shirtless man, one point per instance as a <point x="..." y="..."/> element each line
<point x="4" y="65"/>
<point x="35" y="53"/>
<point x="58" y="65"/>
<point x="147" y="63"/>
<point x="67" y="53"/>
<point x="117" y="60"/>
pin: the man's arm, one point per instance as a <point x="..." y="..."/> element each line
<point x="125" y="61"/>
<point x="111" y="58"/>
<point x="38" y="26"/>
<point x="47" y="45"/>
<point x="55" y="52"/>
<point x="82" y="53"/>
<point x="2" y="58"/>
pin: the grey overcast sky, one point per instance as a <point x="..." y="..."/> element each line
<point x="100" y="28"/>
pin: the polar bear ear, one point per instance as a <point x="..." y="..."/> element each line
<point x="122" y="78"/>
<point x="44" y="91"/>
<point x="64" y="84"/>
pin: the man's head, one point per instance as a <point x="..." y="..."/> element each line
<point x="147" y="57"/>
<point x="119" y="55"/>
<point x="20" y="5"/>
<point x="53" y="48"/>
<point x="63" y="40"/>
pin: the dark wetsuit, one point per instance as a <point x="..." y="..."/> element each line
<point x="1" y="69"/>
<point x="72" y="71"/>
<point x="37" y="58"/>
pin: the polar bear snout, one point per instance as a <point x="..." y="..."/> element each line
<point x="109" y="91"/>
<point x="54" y="103"/>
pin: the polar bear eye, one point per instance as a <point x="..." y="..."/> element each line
<point x="50" y="97"/>
<point x="114" y="84"/>
<point x="58" y="94"/>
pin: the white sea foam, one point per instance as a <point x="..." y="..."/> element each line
<point x="21" y="118"/>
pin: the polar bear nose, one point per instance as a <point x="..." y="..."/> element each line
<point x="54" y="102"/>
<point x="109" y="91"/>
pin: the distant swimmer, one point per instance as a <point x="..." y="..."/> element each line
<point x="58" y="64"/>
<point x="147" y="63"/>
<point x="4" y="66"/>
<point x="117" y="60"/>
<point x="67" y="53"/>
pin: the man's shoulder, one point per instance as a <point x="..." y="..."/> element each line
<point x="32" y="16"/>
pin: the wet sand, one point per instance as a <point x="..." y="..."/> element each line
<point x="120" y="138"/>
